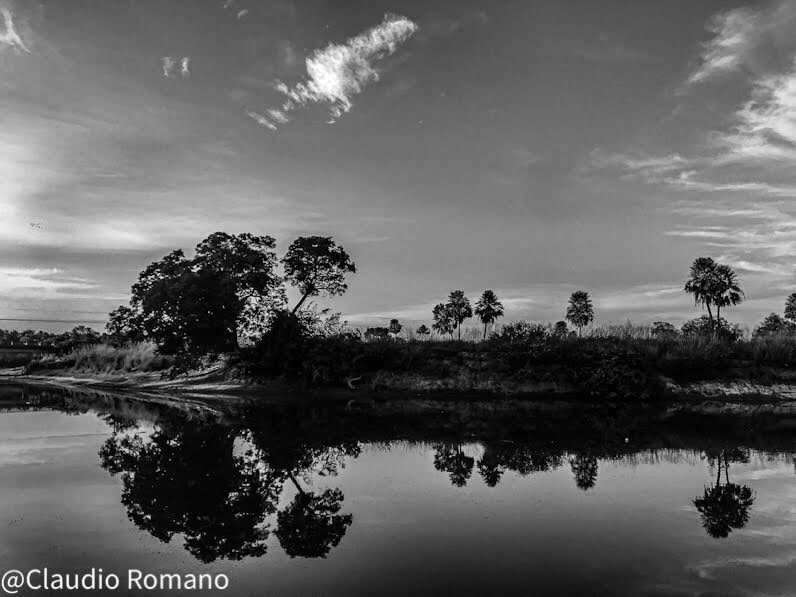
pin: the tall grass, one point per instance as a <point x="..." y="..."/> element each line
<point x="104" y="358"/>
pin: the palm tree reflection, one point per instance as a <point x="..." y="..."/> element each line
<point x="724" y="508"/>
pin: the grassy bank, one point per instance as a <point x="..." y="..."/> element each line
<point x="624" y="366"/>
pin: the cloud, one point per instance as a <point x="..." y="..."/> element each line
<point x="735" y="32"/>
<point x="168" y="63"/>
<point x="746" y="39"/>
<point x="242" y="13"/>
<point x="765" y="126"/>
<point x="10" y="37"/>
<point x="338" y="72"/>
<point x="38" y="282"/>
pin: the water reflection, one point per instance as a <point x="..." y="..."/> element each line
<point x="187" y="478"/>
<point x="230" y="488"/>
<point x="725" y="507"/>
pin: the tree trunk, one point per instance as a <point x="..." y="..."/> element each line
<point x="484" y="331"/>
<point x="292" y="478"/>
<point x="298" y="305"/>
<point x="460" y="330"/>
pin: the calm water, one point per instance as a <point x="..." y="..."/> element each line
<point x="118" y="486"/>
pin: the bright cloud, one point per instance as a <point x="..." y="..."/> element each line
<point x="10" y="37"/>
<point x="338" y="72"/>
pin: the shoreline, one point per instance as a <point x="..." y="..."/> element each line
<point x="211" y="389"/>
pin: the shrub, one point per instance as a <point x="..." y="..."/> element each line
<point x="521" y="333"/>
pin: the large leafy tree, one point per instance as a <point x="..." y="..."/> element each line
<point x="124" y="325"/>
<point x="488" y="309"/>
<point x="580" y="311"/>
<point x="186" y="309"/>
<point x="443" y="319"/>
<point x="203" y="304"/>
<point x="459" y="308"/>
<point x="249" y="262"/>
<point x="316" y="264"/>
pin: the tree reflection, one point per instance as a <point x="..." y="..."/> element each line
<point x="584" y="468"/>
<point x="724" y="508"/>
<point x="521" y="459"/>
<point x="186" y="479"/>
<point x="450" y="458"/>
<point x="196" y="480"/>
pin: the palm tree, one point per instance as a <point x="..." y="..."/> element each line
<point x="488" y="309"/>
<point x="702" y="283"/>
<point x="459" y="308"/>
<point x="727" y="290"/>
<point x="580" y="311"/>
<point x="443" y="320"/>
<point x="422" y="331"/>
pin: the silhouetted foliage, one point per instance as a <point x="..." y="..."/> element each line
<point x="124" y="326"/>
<point x="772" y="325"/>
<point x="451" y="459"/>
<point x="713" y="285"/>
<point x="663" y="330"/>
<point x="395" y="327"/>
<point x="316" y="264"/>
<point x="444" y="322"/>
<point x="423" y="332"/>
<point x="377" y="333"/>
<point x="790" y="308"/>
<point x="724" y="508"/>
<point x="459" y="309"/>
<point x="560" y="330"/>
<point x="185" y="479"/>
<point x="488" y="309"/>
<point x="584" y="468"/>
<point x="580" y="311"/>
<point x="703" y="327"/>
<point x="522" y="459"/>
<point x="311" y="524"/>
<point x="521" y="333"/>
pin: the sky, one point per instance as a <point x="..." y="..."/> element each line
<point x="530" y="147"/>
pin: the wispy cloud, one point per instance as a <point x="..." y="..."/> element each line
<point x="10" y="37"/>
<point x="734" y="34"/>
<point x="168" y="64"/>
<point x="242" y="13"/>
<point x="743" y="40"/>
<point x="338" y="72"/>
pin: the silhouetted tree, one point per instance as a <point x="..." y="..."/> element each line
<point x="488" y="309"/>
<point x="124" y="325"/>
<point x="522" y="459"/>
<point x="185" y="309"/>
<point x="790" y="308"/>
<point x="663" y="330"/>
<point x="451" y="459"/>
<point x="727" y="289"/>
<point x="560" y="329"/>
<point x="443" y="319"/>
<point x="310" y="525"/>
<point x="422" y="331"/>
<point x="773" y="324"/>
<point x="249" y="263"/>
<point x="459" y="308"/>
<point x="580" y="311"/>
<point x="585" y="468"/>
<point x="395" y="327"/>
<point x="315" y="264"/>
<point x="701" y="284"/>
<point x="725" y="507"/>
<point x="186" y="479"/>
<point x="377" y="333"/>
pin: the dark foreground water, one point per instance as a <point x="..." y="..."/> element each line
<point x="116" y="485"/>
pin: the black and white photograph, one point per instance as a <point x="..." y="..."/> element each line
<point x="398" y="297"/>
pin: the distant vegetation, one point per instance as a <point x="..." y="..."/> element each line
<point x="231" y="297"/>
